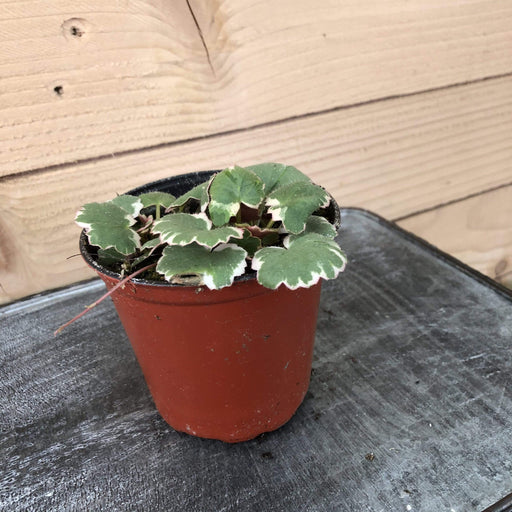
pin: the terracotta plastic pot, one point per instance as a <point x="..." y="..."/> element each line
<point x="225" y="364"/>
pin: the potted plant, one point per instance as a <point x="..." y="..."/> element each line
<point x="216" y="279"/>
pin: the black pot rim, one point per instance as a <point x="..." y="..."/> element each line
<point x="157" y="185"/>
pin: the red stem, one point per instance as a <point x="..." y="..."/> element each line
<point x="103" y="297"/>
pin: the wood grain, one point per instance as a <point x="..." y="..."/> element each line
<point x="395" y="158"/>
<point x="80" y="79"/>
<point x="83" y="79"/>
<point x="477" y="231"/>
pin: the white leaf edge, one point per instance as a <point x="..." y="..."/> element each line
<point x="88" y="227"/>
<point x="238" y="271"/>
<point x="233" y="207"/>
<point x="278" y="214"/>
<point x="202" y="205"/>
<point x="257" y="262"/>
<point x="207" y="279"/>
<point x="235" y="232"/>
<point x="137" y="205"/>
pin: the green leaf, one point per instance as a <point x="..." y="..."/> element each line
<point x="185" y="228"/>
<point x="294" y="203"/>
<point x="145" y="253"/>
<point x="277" y="175"/>
<point x="109" y="256"/>
<point x="162" y="199"/>
<point x="108" y="225"/>
<point x="199" y="193"/>
<point x="250" y="243"/>
<point x="151" y="244"/>
<point x="316" y="224"/>
<point x="217" y="268"/>
<point x="130" y="204"/>
<point x="302" y="264"/>
<point x="270" y="239"/>
<point x="229" y="189"/>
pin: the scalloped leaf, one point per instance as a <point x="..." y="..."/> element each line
<point x="306" y="260"/>
<point x="229" y="189"/>
<point x="293" y="204"/>
<point x="315" y="224"/>
<point x="199" y="193"/>
<point x="216" y="269"/>
<point x="277" y="175"/>
<point x="108" y="225"/>
<point x="130" y="204"/>
<point x="162" y="199"/>
<point x="185" y="228"/>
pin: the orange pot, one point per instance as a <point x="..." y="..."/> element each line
<point x="225" y="364"/>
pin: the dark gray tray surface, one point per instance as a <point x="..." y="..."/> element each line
<point x="409" y="408"/>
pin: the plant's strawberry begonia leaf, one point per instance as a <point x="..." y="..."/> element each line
<point x="314" y="224"/>
<point x="271" y="238"/>
<point x="250" y="243"/>
<point x="307" y="259"/>
<point x="108" y="225"/>
<point x="294" y="203"/>
<point x="162" y="199"/>
<point x="229" y="189"/>
<point x="217" y="268"/>
<point x="183" y="229"/>
<point x="277" y="175"/>
<point x="130" y="204"/>
<point x="150" y="244"/>
<point x="110" y="256"/>
<point x="199" y="193"/>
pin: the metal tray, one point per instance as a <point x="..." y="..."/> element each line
<point x="409" y="407"/>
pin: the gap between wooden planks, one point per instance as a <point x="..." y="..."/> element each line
<point x="395" y="157"/>
<point x="84" y="80"/>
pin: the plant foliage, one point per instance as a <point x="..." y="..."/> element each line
<point x="265" y="218"/>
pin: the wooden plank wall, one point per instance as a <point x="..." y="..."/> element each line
<point x="402" y="107"/>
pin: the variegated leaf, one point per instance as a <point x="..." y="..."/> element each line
<point x="216" y="269"/>
<point x="110" y="256"/>
<point x="199" y="193"/>
<point x="315" y="224"/>
<point x="250" y="243"/>
<point x="162" y="199"/>
<point x="130" y="204"/>
<point x="277" y="175"/>
<point x="184" y="228"/>
<point x="151" y="245"/>
<point x="229" y="189"/>
<point x="108" y="225"/>
<point x="294" y="203"/>
<point x="301" y="265"/>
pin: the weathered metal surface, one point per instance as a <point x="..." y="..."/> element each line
<point x="410" y="404"/>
